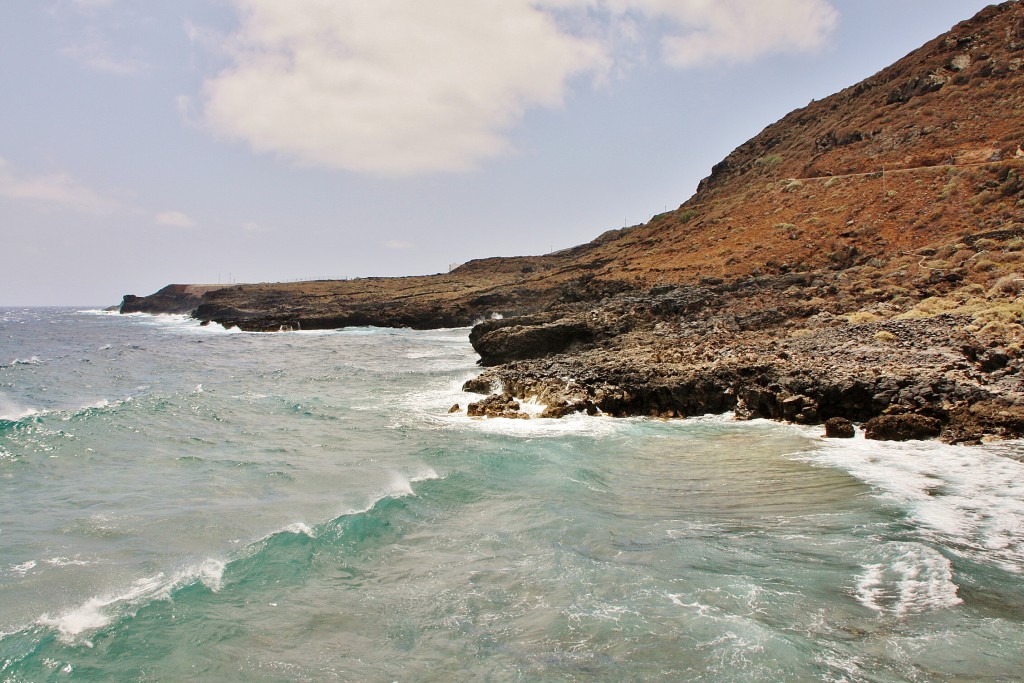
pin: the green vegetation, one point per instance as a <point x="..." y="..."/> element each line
<point x="768" y="160"/>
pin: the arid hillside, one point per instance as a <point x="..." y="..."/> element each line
<point x="925" y="155"/>
<point x="911" y="177"/>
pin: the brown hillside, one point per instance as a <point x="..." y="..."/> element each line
<point x="917" y="157"/>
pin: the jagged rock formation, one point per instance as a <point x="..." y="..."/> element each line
<point x="862" y="257"/>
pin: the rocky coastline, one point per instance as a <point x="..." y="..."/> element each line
<point x="859" y="261"/>
<point x="679" y="352"/>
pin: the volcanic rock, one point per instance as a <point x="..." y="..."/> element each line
<point x="839" y="428"/>
<point x="902" y="427"/>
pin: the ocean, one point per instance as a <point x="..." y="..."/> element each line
<point x="181" y="502"/>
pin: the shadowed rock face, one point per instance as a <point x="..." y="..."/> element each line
<point x="181" y="299"/>
<point x="862" y="257"/>
<point x="902" y="427"/>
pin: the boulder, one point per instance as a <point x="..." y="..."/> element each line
<point x="902" y="427"/>
<point x="479" y="385"/>
<point x="517" y="342"/>
<point x="839" y="428"/>
<point x="497" y="405"/>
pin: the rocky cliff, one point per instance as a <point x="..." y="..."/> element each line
<point x="861" y="259"/>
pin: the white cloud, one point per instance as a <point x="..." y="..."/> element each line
<point x="736" y="31"/>
<point x="101" y="37"/>
<point x="401" y="87"/>
<point x="399" y="244"/>
<point x="56" y="189"/>
<point x="391" y="87"/>
<point x="175" y="219"/>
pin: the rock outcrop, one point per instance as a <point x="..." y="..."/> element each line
<point x="180" y="299"/>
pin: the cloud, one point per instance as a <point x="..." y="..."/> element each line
<point x="405" y="87"/>
<point x="95" y="54"/>
<point x="175" y="219"/>
<point x="736" y="31"/>
<point x="56" y="189"/>
<point x="99" y="35"/>
<point x="398" y="244"/>
<point x="391" y="87"/>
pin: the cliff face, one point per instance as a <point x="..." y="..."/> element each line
<point x="181" y="299"/>
<point x="860" y="259"/>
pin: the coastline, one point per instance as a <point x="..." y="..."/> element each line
<point x="862" y="260"/>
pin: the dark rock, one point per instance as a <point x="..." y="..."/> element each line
<point x="180" y="299"/>
<point x="479" y="385"/>
<point x="454" y="409"/>
<point x="517" y="342"/>
<point x="563" y="408"/>
<point x="902" y="427"/>
<point x="993" y="359"/>
<point x="497" y="405"/>
<point x="839" y="428"/>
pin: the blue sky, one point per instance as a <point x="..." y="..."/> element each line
<point x="144" y="143"/>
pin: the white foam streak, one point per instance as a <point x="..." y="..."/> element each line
<point x="178" y="322"/>
<point x="969" y="498"/>
<point x="33" y="360"/>
<point x="579" y="424"/>
<point x="100" y="611"/>
<point x="67" y="562"/>
<point x="95" y="613"/>
<point x="23" y="568"/>
<point x="911" y="578"/>
<point x="211" y="574"/>
<point x="299" y="529"/>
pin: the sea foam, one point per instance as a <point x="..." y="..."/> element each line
<point x="910" y="578"/>
<point x="969" y="498"/>
<point x="100" y="611"/>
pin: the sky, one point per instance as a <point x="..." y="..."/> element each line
<point x="148" y="142"/>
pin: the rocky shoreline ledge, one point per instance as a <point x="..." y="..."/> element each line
<point x="756" y="350"/>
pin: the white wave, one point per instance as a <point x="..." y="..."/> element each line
<point x="101" y="404"/>
<point x="11" y="411"/>
<point x="180" y="322"/>
<point x="32" y="360"/>
<point x="211" y="574"/>
<point x="579" y="424"/>
<point x="910" y="578"/>
<point x="398" y="487"/>
<point x="23" y="568"/>
<point x="970" y="498"/>
<point x="67" y="561"/>
<point x="101" y="311"/>
<point x="425" y="474"/>
<point x="96" y="612"/>
<point x="297" y="528"/>
<point x="100" y="611"/>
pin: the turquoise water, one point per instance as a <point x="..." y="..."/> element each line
<point x="189" y="503"/>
